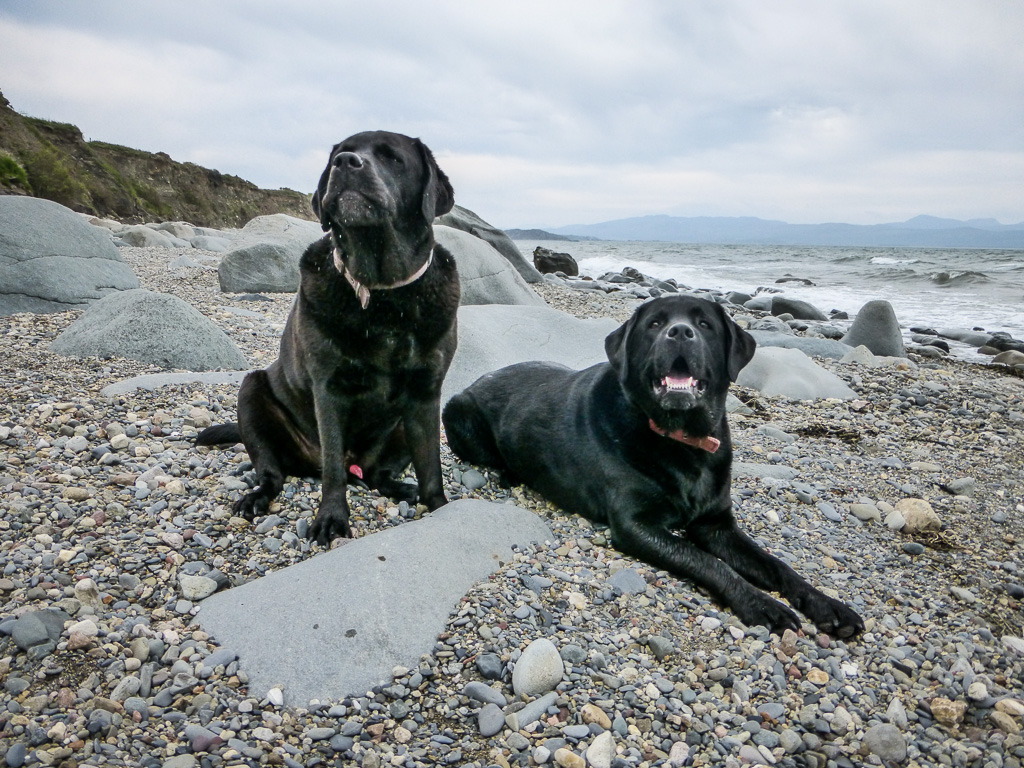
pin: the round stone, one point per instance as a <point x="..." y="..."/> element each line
<point x="539" y="669"/>
<point x="490" y="720"/>
<point x="886" y="741"/>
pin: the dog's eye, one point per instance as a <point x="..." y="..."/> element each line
<point x="704" y="324"/>
<point x="655" y="324"/>
<point x="387" y="153"/>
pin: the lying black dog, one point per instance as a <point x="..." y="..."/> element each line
<point x="642" y="444"/>
<point x="356" y="388"/>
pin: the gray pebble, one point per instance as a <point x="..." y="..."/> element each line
<point x="887" y="742"/>
<point x="484" y="693"/>
<point x="16" y="755"/>
<point x="660" y="646"/>
<point x="490" y="720"/>
<point x="490" y="666"/>
<point x="576" y="732"/>
<point x="628" y="581"/>
<point x="473" y="479"/>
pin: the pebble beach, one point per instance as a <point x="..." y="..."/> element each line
<point x="110" y="514"/>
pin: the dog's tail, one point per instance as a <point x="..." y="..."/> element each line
<point x="221" y="434"/>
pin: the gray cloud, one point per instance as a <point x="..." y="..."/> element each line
<point x="554" y="113"/>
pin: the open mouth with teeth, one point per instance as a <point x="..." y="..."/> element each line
<point x="679" y="384"/>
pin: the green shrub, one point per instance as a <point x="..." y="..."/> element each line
<point x="51" y="179"/>
<point x="12" y="174"/>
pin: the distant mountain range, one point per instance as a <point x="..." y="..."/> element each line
<point x="920" y="231"/>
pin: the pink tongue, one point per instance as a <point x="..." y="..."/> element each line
<point x="674" y="383"/>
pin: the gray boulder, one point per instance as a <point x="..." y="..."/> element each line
<point x="790" y="373"/>
<point x="151" y="327"/>
<point x="877" y="328"/>
<point x="761" y="303"/>
<point x="809" y="345"/>
<point x="964" y="336"/>
<point x="800" y="310"/>
<point x="382" y="622"/>
<point x="180" y="230"/>
<point x="485" y="275"/>
<point x="211" y="243"/>
<point x="547" y="261"/>
<point x="464" y="219"/>
<point x="265" y="256"/>
<point x="493" y="336"/>
<point x="141" y="236"/>
<point x="53" y="260"/>
<point x="737" y="297"/>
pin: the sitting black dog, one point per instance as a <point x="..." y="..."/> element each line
<point x="356" y="389"/>
<point x="642" y="444"/>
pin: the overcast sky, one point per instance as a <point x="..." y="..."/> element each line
<point x="552" y="113"/>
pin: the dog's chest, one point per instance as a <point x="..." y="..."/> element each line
<point x="692" y="491"/>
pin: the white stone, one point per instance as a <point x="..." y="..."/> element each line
<point x="601" y="751"/>
<point x="539" y="669"/>
<point x="196" y="587"/>
<point x="977" y="691"/>
<point x="919" y="515"/>
<point x="85" y="627"/>
<point x="1015" y="644"/>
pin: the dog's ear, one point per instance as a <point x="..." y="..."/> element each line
<point x="317" y="202"/>
<point x="615" y="346"/>
<point x="739" y="344"/>
<point x="438" y="195"/>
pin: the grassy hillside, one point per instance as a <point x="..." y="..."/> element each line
<point x="52" y="160"/>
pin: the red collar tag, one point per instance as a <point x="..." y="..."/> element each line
<point x="708" y="443"/>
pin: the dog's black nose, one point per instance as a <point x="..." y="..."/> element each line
<point x="681" y="332"/>
<point x="348" y="160"/>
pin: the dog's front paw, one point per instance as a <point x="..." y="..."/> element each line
<point x="434" y="502"/>
<point x="328" y="526"/>
<point x="769" y="613"/>
<point x="251" y="505"/>
<point x="832" y="617"/>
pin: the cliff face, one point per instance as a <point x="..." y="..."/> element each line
<point x="52" y="160"/>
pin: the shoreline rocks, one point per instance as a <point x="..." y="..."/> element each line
<point x="106" y="505"/>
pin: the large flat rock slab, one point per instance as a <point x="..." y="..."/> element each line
<point x="338" y="623"/>
<point x="152" y="381"/>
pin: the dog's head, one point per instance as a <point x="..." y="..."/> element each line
<point x="675" y="358"/>
<point x="379" y="195"/>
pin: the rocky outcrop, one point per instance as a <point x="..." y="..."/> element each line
<point x="485" y="275"/>
<point x="53" y="161"/>
<point x="467" y="221"/>
<point x="548" y="262"/>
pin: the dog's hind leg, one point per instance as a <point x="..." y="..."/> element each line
<point x="469" y="433"/>
<point x="385" y="466"/>
<point x="270" y="440"/>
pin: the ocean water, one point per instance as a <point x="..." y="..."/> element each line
<point x="936" y="287"/>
